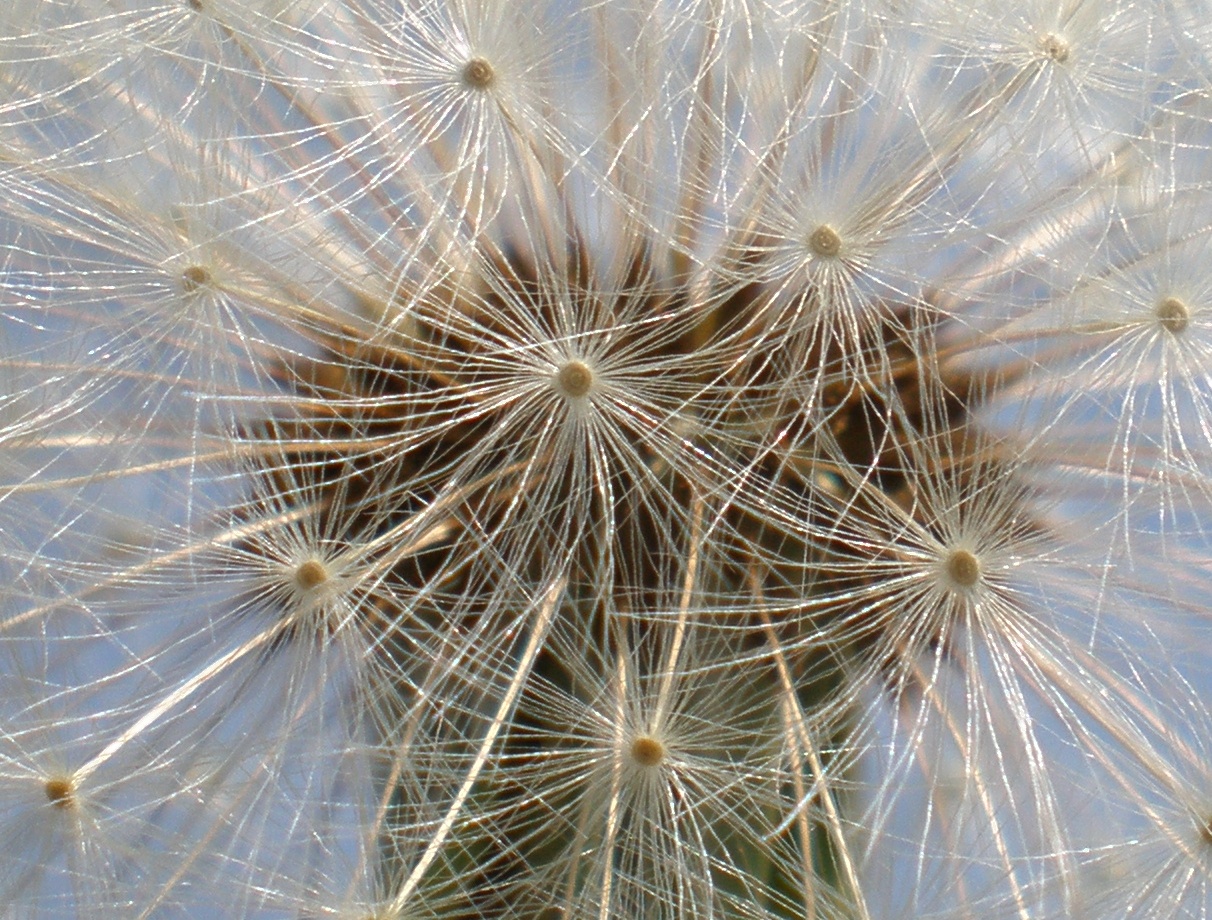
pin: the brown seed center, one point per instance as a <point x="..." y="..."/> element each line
<point x="1054" y="47"/>
<point x="60" y="791"/>
<point x="1173" y="314"/>
<point x="575" y="379"/>
<point x="963" y="568"/>
<point x="1205" y="830"/>
<point x="825" y="242"/>
<point x="478" y="73"/>
<point x="311" y="574"/>
<point x="647" y="751"/>
<point x="194" y="277"/>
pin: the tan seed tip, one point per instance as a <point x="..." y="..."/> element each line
<point x="574" y="379"/>
<point x="1054" y="47"/>
<point x="963" y="568"/>
<point x="825" y="242"/>
<point x="311" y="574"/>
<point x="60" y="791"/>
<point x="1205" y="828"/>
<point x="647" y="751"/>
<point x="194" y="277"/>
<point x="1173" y="315"/>
<point x="478" y="73"/>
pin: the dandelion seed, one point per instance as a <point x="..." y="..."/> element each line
<point x="61" y="792"/>
<point x="825" y="242"/>
<point x="647" y="751"/>
<point x="1173" y="315"/>
<point x="311" y="574"/>
<point x="195" y="277"/>
<point x="963" y="568"/>
<point x="575" y="379"/>
<point x="1205" y="829"/>
<point x="478" y="74"/>
<point x="1054" y="48"/>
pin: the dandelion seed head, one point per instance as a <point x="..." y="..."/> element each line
<point x="607" y="453"/>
